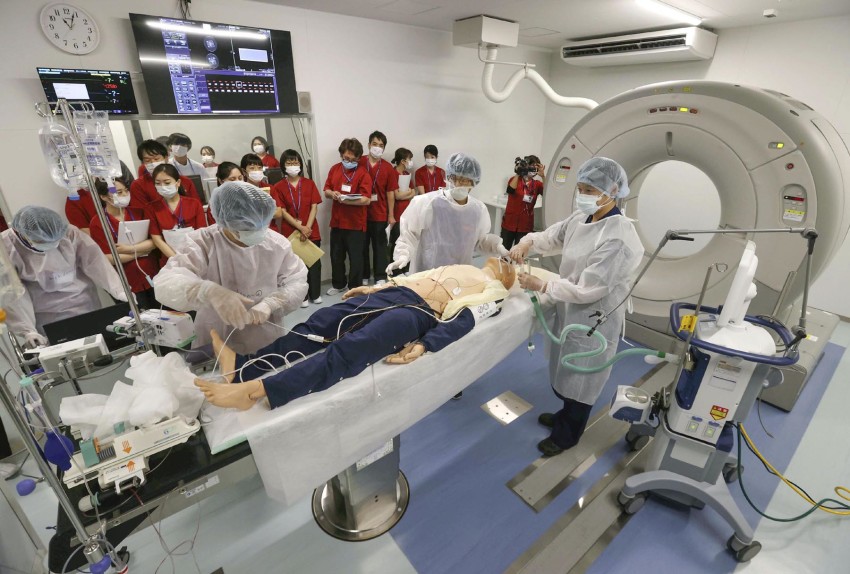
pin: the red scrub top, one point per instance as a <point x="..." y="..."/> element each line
<point x="143" y="190"/>
<point x="148" y="263"/>
<point x="401" y="205"/>
<point x="297" y="200"/>
<point x="384" y="178"/>
<point x="81" y="211"/>
<point x="345" y="216"/>
<point x="519" y="212"/>
<point x="189" y="213"/>
<point x="270" y="161"/>
<point x="431" y="181"/>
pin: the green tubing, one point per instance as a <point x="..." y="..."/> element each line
<point x="603" y="344"/>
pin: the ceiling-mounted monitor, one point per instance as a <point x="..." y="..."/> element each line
<point x="193" y="68"/>
<point x="107" y="90"/>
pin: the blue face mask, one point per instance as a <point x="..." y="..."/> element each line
<point x="250" y="238"/>
<point x="349" y="164"/>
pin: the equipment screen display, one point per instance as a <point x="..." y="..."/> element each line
<point x="205" y="68"/>
<point x="108" y="91"/>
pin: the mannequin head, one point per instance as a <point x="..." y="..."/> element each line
<point x="501" y="271"/>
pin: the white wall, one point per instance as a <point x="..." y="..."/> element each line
<point x="410" y="83"/>
<point x="807" y="60"/>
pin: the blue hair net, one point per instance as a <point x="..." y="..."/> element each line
<point x="606" y="175"/>
<point x="39" y="224"/>
<point x="464" y="166"/>
<point x="239" y="206"/>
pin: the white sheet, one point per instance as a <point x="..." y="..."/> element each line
<point x="303" y="444"/>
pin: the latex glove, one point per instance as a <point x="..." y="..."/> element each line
<point x="397" y="264"/>
<point x="519" y="252"/>
<point x="408" y="354"/>
<point x="229" y="305"/>
<point x="260" y="313"/>
<point x="530" y="282"/>
<point x="362" y="290"/>
<point x="34" y="339"/>
<point x="120" y="296"/>
<point x="503" y="251"/>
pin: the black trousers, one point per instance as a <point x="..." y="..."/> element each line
<point x="394" y="234"/>
<point x="314" y="277"/>
<point x="510" y="238"/>
<point x="5" y="447"/>
<point x="145" y="300"/>
<point x="569" y="423"/>
<point x="376" y="239"/>
<point x="347" y="243"/>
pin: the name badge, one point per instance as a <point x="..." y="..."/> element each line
<point x="346" y="188"/>
<point x="528" y="198"/>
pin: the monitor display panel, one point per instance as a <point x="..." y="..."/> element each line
<point x="193" y="67"/>
<point x="108" y="90"/>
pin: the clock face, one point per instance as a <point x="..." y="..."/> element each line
<point x="69" y="28"/>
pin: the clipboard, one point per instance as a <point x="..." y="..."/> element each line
<point x="404" y="182"/>
<point x="138" y="231"/>
<point x="306" y="250"/>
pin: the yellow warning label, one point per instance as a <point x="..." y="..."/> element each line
<point x="718" y="413"/>
<point x="689" y="323"/>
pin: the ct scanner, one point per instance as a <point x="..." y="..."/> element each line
<point x="775" y="162"/>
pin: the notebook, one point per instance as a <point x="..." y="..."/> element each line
<point x="132" y="232"/>
<point x="404" y="182"/>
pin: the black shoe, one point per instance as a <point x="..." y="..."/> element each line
<point x="547" y="420"/>
<point x="457" y="396"/>
<point x="548" y="447"/>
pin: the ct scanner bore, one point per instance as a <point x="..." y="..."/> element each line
<point x="774" y="161"/>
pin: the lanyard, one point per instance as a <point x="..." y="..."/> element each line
<point x="180" y="221"/>
<point x="375" y="177"/>
<point x="110" y="217"/>
<point x="432" y="179"/>
<point x="353" y="172"/>
<point x="297" y="206"/>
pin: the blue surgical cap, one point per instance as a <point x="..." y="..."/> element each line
<point x="239" y="206"/>
<point x="39" y="224"/>
<point x="606" y="175"/>
<point x="464" y="166"/>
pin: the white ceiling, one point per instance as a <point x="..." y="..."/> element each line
<point x="547" y="23"/>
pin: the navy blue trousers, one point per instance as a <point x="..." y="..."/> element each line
<point x="364" y="340"/>
<point x="569" y="423"/>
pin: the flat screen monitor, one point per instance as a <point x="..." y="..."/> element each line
<point x="194" y="67"/>
<point x="108" y="90"/>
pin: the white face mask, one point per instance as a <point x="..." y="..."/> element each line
<point x="587" y="203"/>
<point x="431" y="161"/>
<point x="293" y="170"/>
<point x="410" y="164"/>
<point x="460" y="193"/>
<point x="208" y="158"/>
<point x="259" y="148"/>
<point x="45" y="246"/>
<point x="153" y="165"/>
<point x="255" y="176"/>
<point x="250" y="238"/>
<point x="179" y="150"/>
<point x="376" y="151"/>
<point x="167" y="191"/>
<point x="121" y="200"/>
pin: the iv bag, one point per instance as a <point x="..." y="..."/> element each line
<point x="98" y="145"/>
<point x="10" y="285"/>
<point x="62" y="156"/>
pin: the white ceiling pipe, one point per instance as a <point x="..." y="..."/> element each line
<point x="519" y="75"/>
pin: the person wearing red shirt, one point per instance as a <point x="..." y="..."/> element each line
<point x="143" y="191"/>
<point x="381" y="211"/>
<point x="140" y="266"/>
<point x="403" y="162"/>
<point x="260" y="146"/>
<point x="80" y="211"/>
<point x="299" y="197"/>
<point x="173" y="214"/>
<point x="429" y="177"/>
<point x="254" y="170"/>
<point x="523" y="190"/>
<point x="348" y="216"/>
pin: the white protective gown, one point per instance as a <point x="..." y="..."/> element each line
<point x="598" y="263"/>
<point x="268" y="269"/>
<point x="60" y="283"/>
<point x="436" y="230"/>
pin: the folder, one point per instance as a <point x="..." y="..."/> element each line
<point x="306" y="250"/>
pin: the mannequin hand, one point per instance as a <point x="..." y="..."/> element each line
<point x="229" y="305"/>
<point x="397" y="264"/>
<point x="519" y="252"/>
<point x="408" y="354"/>
<point x="357" y="291"/>
<point x="34" y="339"/>
<point x="260" y="313"/>
<point x="530" y="282"/>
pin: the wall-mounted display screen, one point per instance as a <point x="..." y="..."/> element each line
<point x="109" y="91"/>
<point x="194" y="67"/>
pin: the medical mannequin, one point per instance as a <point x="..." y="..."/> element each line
<point x="600" y="251"/>
<point x="402" y="320"/>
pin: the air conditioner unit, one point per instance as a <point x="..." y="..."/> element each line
<point x="676" y="45"/>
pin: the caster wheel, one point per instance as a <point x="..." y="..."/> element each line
<point x="743" y="552"/>
<point x="637" y="443"/>
<point x="631" y="504"/>
<point x="731" y="473"/>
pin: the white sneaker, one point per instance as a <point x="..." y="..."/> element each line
<point x="317" y="301"/>
<point x="305" y="304"/>
<point x="380" y="282"/>
<point x="334" y="291"/>
<point x="365" y="282"/>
